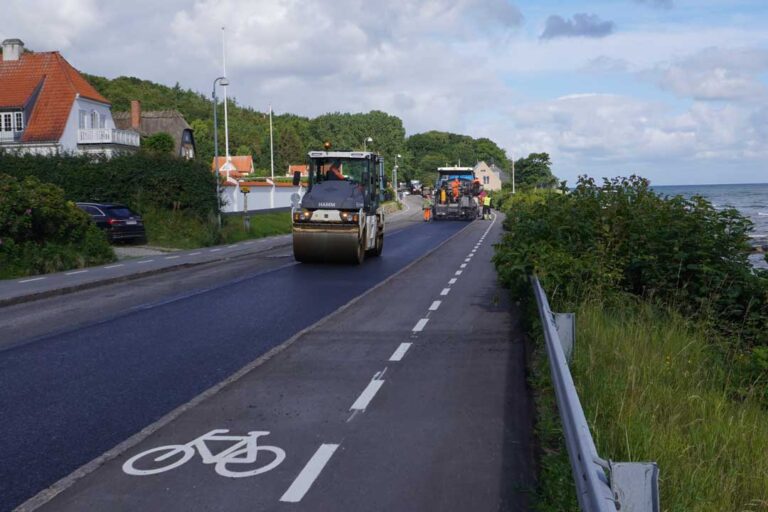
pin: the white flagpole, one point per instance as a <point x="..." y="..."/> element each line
<point x="224" y="65"/>
<point x="271" y="146"/>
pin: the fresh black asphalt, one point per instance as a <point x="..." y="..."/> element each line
<point x="68" y="398"/>
<point x="449" y="428"/>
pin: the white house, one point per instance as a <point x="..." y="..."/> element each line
<point x="490" y="176"/>
<point x="47" y="107"/>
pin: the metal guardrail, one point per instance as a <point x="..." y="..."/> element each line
<point x="601" y="486"/>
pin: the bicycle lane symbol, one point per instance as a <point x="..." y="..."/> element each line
<point x="244" y="451"/>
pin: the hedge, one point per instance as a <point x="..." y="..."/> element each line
<point x="140" y="181"/>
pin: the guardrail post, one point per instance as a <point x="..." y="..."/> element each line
<point x="566" y="332"/>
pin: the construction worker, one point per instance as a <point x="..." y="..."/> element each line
<point x="487" y="207"/>
<point x="426" y="205"/>
<point x="443" y="194"/>
<point x="455" y="189"/>
<point x="334" y="171"/>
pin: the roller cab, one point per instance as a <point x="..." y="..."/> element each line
<point x="339" y="219"/>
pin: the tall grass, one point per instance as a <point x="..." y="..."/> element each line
<point x="180" y="230"/>
<point x="651" y="390"/>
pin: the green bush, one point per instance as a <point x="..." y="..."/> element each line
<point x="160" y="142"/>
<point x="40" y="231"/>
<point x="141" y="181"/>
<point x="622" y="236"/>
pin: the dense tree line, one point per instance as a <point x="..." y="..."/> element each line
<point x="294" y="135"/>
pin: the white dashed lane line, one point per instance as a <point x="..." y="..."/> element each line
<point x="115" y="266"/>
<point x="435" y="305"/>
<point x="369" y="392"/>
<point x="445" y="291"/>
<point x="144" y="261"/>
<point x="194" y="253"/>
<point x="75" y="272"/>
<point x="309" y="474"/>
<point x="214" y="250"/>
<point x="171" y="257"/>
<point x="452" y="281"/>
<point x="420" y="325"/>
<point x="31" y="280"/>
<point x="458" y="273"/>
<point x="400" y="351"/>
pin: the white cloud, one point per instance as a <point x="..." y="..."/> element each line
<point x="717" y="74"/>
<point x="48" y="24"/>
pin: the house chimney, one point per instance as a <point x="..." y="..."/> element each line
<point x="12" y="49"/>
<point x="135" y="114"/>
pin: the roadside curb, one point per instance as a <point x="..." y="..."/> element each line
<point x="21" y="299"/>
<point x="46" y="495"/>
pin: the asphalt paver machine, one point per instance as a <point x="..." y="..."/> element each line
<point x="456" y="192"/>
<point x="339" y="218"/>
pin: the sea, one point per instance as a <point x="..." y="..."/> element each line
<point x="751" y="200"/>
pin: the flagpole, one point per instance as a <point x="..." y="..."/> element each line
<point x="224" y="65"/>
<point x="271" y="146"/>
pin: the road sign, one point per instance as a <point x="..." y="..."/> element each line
<point x="245" y="190"/>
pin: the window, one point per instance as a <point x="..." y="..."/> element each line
<point x="83" y="120"/>
<point x="7" y="119"/>
<point x="19" y="121"/>
<point x="486" y="180"/>
<point x="94" y="119"/>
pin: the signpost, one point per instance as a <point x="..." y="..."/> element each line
<point x="246" y="218"/>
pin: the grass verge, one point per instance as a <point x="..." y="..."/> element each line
<point x="651" y="390"/>
<point x="183" y="231"/>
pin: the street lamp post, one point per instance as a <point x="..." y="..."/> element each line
<point x="394" y="178"/>
<point x="365" y="142"/>
<point x="222" y="80"/>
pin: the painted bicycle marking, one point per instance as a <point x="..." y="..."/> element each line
<point x="243" y="451"/>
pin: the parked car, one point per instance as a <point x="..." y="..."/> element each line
<point x="117" y="221"/>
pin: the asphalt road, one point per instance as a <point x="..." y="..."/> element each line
<point x="70" y="396"/>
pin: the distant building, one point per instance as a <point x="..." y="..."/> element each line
<point x="47" y="107"/>
<point x="491" y="176"/>
<point x="150" y="122"/>
<point x="237" y="168"/>
<point x="303" y="169"/>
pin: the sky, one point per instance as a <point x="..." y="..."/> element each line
<point x="673" y="90"/>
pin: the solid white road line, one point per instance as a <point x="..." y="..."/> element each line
<point x="30" y="280"/>
<point x="420" y="325"/>
<point x="445" y="291"/>
<point x="115" y="266"/>
<point x="309" y="474"/>
<point x="144" y="261"/>
<point x="400" y="351"/>
<point x="171" y="257"/>
<point x="75" y="272"/>
<point x="435" y="305"/>
<point x="452" y="281"/>
<point x="458" y="272"/>
<point x="367" y="395"/>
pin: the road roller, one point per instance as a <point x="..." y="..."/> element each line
<point x="339" y="218"/>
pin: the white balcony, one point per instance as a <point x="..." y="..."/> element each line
<point x="108" y="136"/>
<point x="10" y="136"/>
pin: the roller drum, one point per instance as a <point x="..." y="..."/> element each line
<point x="328" y="244"/>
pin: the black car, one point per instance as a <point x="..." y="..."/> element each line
<point x="117" y="221"/>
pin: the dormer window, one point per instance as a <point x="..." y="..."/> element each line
<point x="11" y="121"/>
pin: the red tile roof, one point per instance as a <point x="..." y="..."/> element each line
<point x="243" y="165"/>
<point x="58" y="83"/>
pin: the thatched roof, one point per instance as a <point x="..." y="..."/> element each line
<point x="156" y="121"/>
